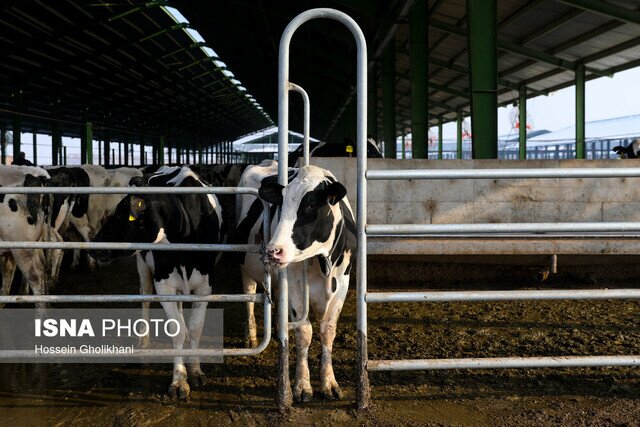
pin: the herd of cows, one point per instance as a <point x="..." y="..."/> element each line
<point x="311" y="220"/>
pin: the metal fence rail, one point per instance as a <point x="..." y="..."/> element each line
<point x="266" y="300"/>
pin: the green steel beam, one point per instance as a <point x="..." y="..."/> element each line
<point x="388" y="101"/>
<point x="440" y="138"/>
<point x="419" y="80"/>
<point x="35" y="146"/>
<point x="607" y="9"/>
<point x="17" y="122"/>
<point x="56" y="143"/>
<point x="160" y="155"/>
<point x="3" y="143"/>
<point x="459" y="135"/>
<point x="580" y="113"/>
<point x="106" y="149"/>
<point x="522" y="120"/>
<point x="87" y="134"/>
<point x="483" y="51"/>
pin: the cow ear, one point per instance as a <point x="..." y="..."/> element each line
<point x="335" y="192"/>
<point x="271" y="193"/>
<point x="138" y="206"/>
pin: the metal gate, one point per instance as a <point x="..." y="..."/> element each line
<point x="365" y="230"/>
<point x="254" y="248"/>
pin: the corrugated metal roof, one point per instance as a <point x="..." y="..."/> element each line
<point x="616" y="128"/>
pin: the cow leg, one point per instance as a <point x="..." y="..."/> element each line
<point x="8" y="267"/>
<point x="146" y="288"/>
<point x="249" y="286"/>
<point x="328" y="385"/>
<point x="196" y="323"/>
<point x="32" y="265"/>
<point x="179" y="387"/>
<point x="302" y="391"/>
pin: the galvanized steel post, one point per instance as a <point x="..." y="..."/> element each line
<point x="459" y="135"/>
<point x="284" y="389"/>
<point x="306" y="122"/>
<point x="483" y="58"/>
<point x="580" y="112"/>
<point x="440" y="137"/>
<point x="522" y="122"/>
<point x="419" y="81"/>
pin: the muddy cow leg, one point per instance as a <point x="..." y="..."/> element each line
<point x="249" y="286"/>
<point x="8" y="267"/>
<point x="196" y="323"/>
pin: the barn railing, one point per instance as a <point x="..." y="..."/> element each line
<point x="253" y="248"/>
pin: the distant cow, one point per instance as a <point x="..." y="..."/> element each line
<point x="164" y="218"/>
<point x="631" y="151"/>
<point x="314" y="222"/>
<point x="28" y="218"/>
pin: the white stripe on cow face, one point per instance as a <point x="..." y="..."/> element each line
<point x="307" y="180"/>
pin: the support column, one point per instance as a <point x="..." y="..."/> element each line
<point x="522" y="120"/>
<point x="161" y="143"/>
<point x="64" y="156"/>
<point x="3" y="143"/>
<point x="388" y="100"/>
<point x="126" y="151"/>
<point x="142" y="162"/>
<point x="372" y="99"/>
<point x="404" y="155"/>
<point x="17" y="123"/>
<point x="86" y="144"/>
<point x="419" y="80"/>
<point x="56" y="143"/>
<point x="169" y="153"/>
<point x="459" y="135"/>
<point x="35" y="146"/>
<point x="580" y="112"/>
<point x="106" y="149"/>
<point x="99" y="152"/>
<point x="483" y="55"/>
<point x="120" y="153"/>
<point x="440" y="138"/>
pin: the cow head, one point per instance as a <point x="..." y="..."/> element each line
<point x="133" y="221"/>
<point x="309" y="213"/>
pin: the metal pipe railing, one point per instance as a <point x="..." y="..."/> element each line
<point x="503" y="363"/>
<point x="539" y="173"/>
<point x="493" y="228"/>
<point x="523" y="295"/>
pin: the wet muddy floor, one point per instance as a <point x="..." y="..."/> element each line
<point x="241" y="391"/>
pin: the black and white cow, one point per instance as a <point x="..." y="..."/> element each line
<point x="631" y="151"/>
<point x="89" y="212"/>
<point x="28" y="218"/>
<point x="164" y="218"/>
<point x="314" y="222"/>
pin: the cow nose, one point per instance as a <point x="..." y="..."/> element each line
<point x="275" y="253"/>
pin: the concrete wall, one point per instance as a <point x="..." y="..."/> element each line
<point x="493" y="201"/>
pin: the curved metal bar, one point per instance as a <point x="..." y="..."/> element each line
<point x="306" y="122"/>
<point x="284" y="392"/>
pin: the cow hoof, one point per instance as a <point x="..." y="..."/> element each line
<point x="333" y="392"/>
<point x="197" y="378"/>
<point x="251" y="342"/>
<point x="179" y="390"/>
<point x="302" y="396"/>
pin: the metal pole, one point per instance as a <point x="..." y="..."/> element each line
<point x="284" y="391"/>
<point x="126" y="151"/>
<point x="307" y="120"/>
<point x="143" y="154"/>
<point x="389" y="101"/>
<point x="483" y="58"/>
<point x="88" y="137"/>
<point x="169" y="152"/>
<point x="99" y="152"/>
<point x="161" y="142"/>
<point x="56" y="143"/>
<point x="106" y="149"/>
<point x="459" y="135"/>
<point x="119" y="153"/>
<point x="419" y="81"/>
<point x="440" y="138"/>
<point x="35" y="146"/>
<point x="537" y="173"/>
<point x="580" y="112"/>
<point x="522" y="120"/>
<point x="64" y="161"/>
<point x="3" y="143"/>
<point x="403" y="144"/>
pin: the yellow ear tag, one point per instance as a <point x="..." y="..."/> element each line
<point x="139" y="204"/>
<point x="349" y="149"/>
<point x="131" y="218"/>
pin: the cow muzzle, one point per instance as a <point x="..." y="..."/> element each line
<point x="276" y="256"/>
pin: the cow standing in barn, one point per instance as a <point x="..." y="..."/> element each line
<point x="313" y="222"/>
<point x="166" y="218"/>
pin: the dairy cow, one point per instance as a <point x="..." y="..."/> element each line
<point x="164" y="218"/>
<point x="631" y="151"/>
<point x="29" y="218"/>
<point x="313" y="222"/>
